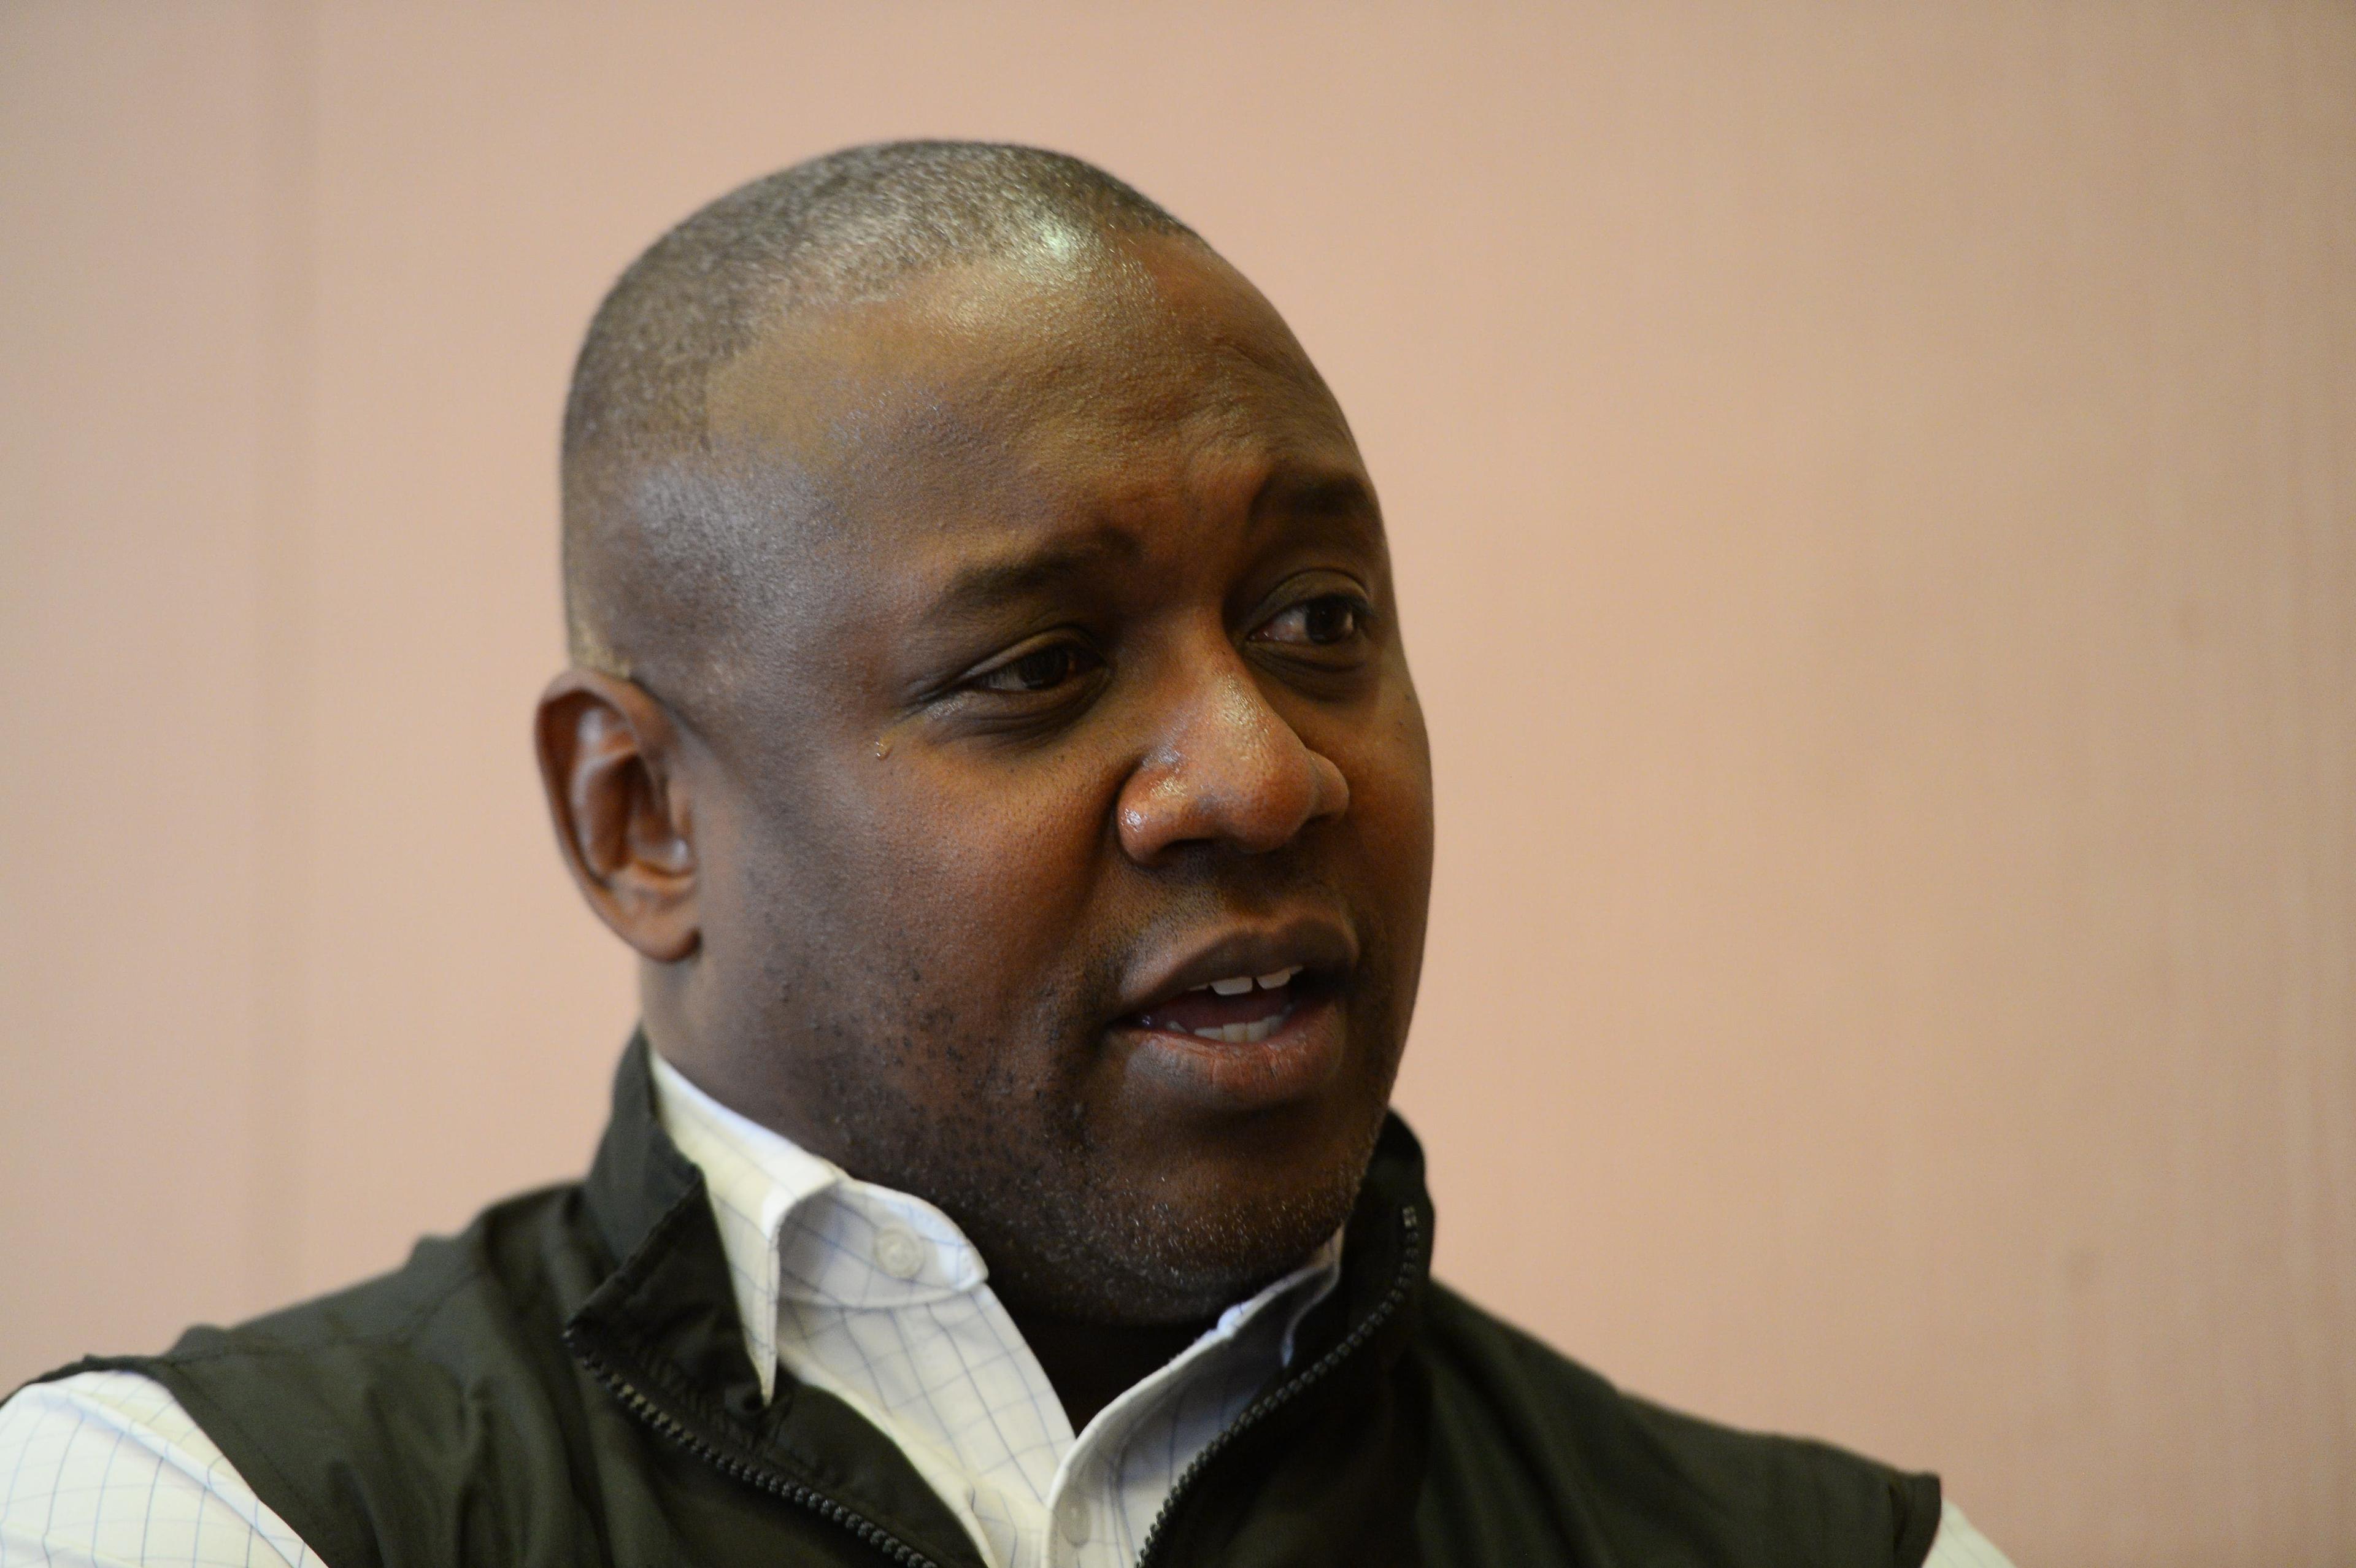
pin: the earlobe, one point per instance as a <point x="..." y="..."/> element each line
<point x="609" y="757"/>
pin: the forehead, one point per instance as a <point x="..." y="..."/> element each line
<point x="1113" y="378"/>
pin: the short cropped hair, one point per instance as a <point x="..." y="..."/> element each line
<point x="849" y="226"/>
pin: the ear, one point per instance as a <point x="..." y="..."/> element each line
<point x="609" y="756"/>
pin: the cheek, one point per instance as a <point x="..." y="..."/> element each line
<point x="1389" y="766"/>
<point x="1389" y="770"/>
<point x="982" y="884"/>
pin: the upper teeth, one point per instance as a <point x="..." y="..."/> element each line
<point x="1236" y="985"/>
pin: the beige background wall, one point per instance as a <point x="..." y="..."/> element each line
<point x="1876" y="492"/>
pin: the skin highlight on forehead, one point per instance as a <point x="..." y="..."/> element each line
<point x="981" y="367"/>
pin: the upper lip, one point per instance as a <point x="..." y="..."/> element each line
<point x="1316" y="944"/>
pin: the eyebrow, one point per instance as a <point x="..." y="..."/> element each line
<point x="1314" y="490"/>
<point x="977" y="589"/>
<point x="1325" y="495"/>
<point x="986" y="585"/>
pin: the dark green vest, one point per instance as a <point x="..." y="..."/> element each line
<point x="566" y="1384"/>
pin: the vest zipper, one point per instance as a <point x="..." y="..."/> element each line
<point x="1409" y="1261"/>
<point x="647" y="1410"/>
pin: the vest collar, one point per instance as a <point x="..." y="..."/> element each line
<point x="662" y="1331"/>
<point x="640" y="1175"/>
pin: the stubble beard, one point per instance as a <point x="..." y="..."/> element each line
<point x="1066" y="1239"/>
<point x="1067" y="1230"/>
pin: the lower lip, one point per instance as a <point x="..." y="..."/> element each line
<point x="1302" y="1057"/>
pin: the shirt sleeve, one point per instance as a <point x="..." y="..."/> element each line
<point x="105" y="1470"/>
<point x="1959" y="1545"/>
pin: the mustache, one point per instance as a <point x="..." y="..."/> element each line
<point x="1230" y="892"/>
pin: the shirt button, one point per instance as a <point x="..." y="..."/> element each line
<point x="1076" y="1524"/>
<point x="899" y="1254"/>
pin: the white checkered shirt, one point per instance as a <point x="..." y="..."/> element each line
<point x="878" y="1298"/>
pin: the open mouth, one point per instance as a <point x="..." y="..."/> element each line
<point x="1237" y="1009"/>
<point x="1242" y="1020"/>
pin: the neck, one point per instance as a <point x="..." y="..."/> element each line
<point x="1092" y="1364"/>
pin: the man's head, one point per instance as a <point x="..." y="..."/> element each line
<point x="984" y="640"/>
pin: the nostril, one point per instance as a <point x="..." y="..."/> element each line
<point x="1235" y="774"/>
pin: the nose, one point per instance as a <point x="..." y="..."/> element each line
<point x="1227" y="769"/>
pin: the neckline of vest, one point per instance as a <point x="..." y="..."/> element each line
<point x="662" y="1331"/>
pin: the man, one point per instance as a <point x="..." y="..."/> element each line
<point x="989" y="724"/>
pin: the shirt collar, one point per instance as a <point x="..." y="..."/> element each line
<point x="796" y="1227"/>
<point x="799" y="1228"/>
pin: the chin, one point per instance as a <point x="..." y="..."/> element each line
<point x="1173" y="1241"/>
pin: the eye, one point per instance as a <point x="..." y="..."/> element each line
<point x="1038" y="669"/>
<point x="1320" y="622"/>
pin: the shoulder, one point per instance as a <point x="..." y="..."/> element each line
<point x="510" y="1263"/>
<point x="1522" y="1431"/>
<point x="404" y="1346"/>
<point x="354" y="1405"/>
<point x="106" y="1467"/>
